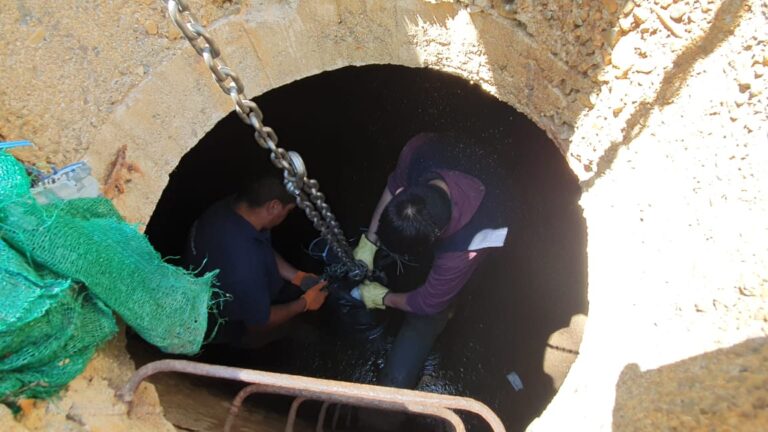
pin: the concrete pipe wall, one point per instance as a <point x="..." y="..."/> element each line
<point x="657" y="106"/>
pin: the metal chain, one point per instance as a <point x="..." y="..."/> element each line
<point x="306" y="190"/>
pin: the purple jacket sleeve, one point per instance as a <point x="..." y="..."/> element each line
<point x="450" y="271"/>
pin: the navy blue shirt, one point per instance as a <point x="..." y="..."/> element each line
<point x="223" y="240"/>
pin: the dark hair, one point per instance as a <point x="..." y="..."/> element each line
<point x="257" y="191"/>
<point x="414" y="219"/>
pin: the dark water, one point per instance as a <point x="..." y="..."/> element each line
<point x="350" y="125"/>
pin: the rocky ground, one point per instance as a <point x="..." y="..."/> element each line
<point x="89" y="403"/>
<point x="661" y="115"/>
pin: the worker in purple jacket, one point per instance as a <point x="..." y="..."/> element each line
<point x="445" y="195"/>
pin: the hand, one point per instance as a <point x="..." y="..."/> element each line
<point x="372" y="294"/>
<point x="315" y="296"/>
<point x="304" y="280"/>
<point x="365" y="251"/>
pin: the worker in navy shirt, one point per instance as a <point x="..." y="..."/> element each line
<point x="233" y="238"/>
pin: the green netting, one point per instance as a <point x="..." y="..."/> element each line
<point x="26" y="293"/>
<point x="48" y="331"/>
<point x="83" y="323"/>
<point x="165" y="305"/>
<point x="14" y="182"/>
<point x="35" y="343"/>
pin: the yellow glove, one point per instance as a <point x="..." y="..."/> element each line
<point x="365" y="251"/>
<point x="372" y="294"/>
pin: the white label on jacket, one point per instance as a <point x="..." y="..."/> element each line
<point x="488" y="238"/>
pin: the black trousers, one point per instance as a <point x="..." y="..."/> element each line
<point x="405" y="361"/>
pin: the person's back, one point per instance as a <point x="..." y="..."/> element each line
<point x="221" y="240"/>
<point x="463" y="163"/>
<point x="233" y="239"/>
<point x="445" y="196"/>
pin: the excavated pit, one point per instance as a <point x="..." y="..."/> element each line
<point x="349" y="125"/>
<point x="658" y="107"/>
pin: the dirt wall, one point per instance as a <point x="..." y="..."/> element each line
<point x="658" y="106"/>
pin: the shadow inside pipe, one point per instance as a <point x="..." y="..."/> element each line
<point x="349" y="125"/>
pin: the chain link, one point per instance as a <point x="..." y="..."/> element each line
<point x="307" y="191"/>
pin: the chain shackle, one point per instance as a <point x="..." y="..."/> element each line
<point x="305" y="190"/>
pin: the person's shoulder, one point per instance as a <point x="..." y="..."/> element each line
<point x="433" y="141"/>
<point x="219" y="212"/>
<point x="421" y="139"/>
<point x="415" y="145"/>
<point x="220" y="221"/>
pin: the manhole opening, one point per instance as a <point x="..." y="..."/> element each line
<point x="349" y="125"/>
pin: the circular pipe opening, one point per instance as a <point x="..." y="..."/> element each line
<point x="516" y="314"/>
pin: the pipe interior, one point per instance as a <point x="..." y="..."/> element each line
<point x="349" y="126"/>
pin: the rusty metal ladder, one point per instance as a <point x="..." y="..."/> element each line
<point x="328" y="391"/>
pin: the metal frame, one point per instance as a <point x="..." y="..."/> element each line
<point x="329" y="391"/>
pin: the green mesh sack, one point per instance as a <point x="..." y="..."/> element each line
<point x="14" y="182"/>
<point x="54" y="365"/>
<point x="48" y="332"/>
<point x="89" y="208"/>
<point x="37" y="342"/>
<point x="87" y="241"/>
<point x="26" y="293"/>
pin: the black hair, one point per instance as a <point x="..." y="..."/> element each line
<point x="414" y="219"/>
<point x="257" y="191"/>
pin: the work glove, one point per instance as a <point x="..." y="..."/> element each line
<point x="372" y="294"/>
<point x="365" y="251"/>
<point x="304" y="280"/>
<point x="315" y="296"/>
